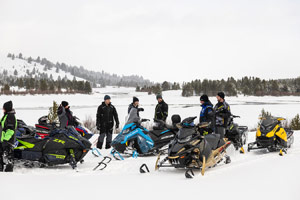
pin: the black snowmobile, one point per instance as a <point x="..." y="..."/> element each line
<point x="238" y="135"/>
<point x="136" y="140"/>
<point x="191" y="150"/>
<point x="61" y="147"/>
<point x="272" y="136"/>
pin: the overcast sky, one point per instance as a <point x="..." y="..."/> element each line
<point x="160" y="40"/>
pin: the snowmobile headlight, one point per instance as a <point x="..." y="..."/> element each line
<point x="186" y="139"/>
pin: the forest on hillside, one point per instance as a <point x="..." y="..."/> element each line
<point x="250" y="86"/>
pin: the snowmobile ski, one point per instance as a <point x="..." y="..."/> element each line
<point x="96" y="152"/>
<point x="103" y="163"/>
<point x="144" y="169"/>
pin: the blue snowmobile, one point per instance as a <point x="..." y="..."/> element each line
<point x="136" y="140"/>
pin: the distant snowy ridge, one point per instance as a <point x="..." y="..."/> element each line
<point x="20" y="66"/>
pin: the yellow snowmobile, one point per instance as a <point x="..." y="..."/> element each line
<point x="272" y="136"/>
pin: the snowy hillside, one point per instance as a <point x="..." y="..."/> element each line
<point x="20" y="68"/>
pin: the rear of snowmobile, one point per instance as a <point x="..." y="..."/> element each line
<point x="272" y="136"/>
<point x="238" y="135"/>
<point x="44" y="127"/>
<point x="133" y="140"/>
<point x="61" y="147"/>
<point x="191" y="150"/>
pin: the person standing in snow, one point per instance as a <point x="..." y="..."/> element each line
<point x="65" y="115"/>
<point x="207" y="112"/>
<point x="222" y="114"/>
<point x="106" y="115"/>
<point x="8" y="126"/>
<point x="135" y="104"/>
<point x="161" y="109"/>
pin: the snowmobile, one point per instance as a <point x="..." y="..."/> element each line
<point x="190" y="150"/>
<point x="272" y="136"/>
<point x="61" y="147"/>
<point x="44" y="127"/>
<point x="238" y="135"/>
<point x="136" y="140"/>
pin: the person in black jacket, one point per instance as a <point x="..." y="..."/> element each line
<point x="8" y="125"/>
<point x="106" y="115"/>
<point x="222" y="114"/>
<point x="161" y="109"/>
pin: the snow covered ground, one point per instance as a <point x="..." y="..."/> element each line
<point x="254" y="175"/>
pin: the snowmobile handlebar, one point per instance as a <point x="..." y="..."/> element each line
<point x="145" y="120"/>
<point x="235" y="116"/>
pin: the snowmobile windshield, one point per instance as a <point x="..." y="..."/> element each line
<point x="133" y="117"/>
<point x="268" y="123"/>
<point x="185" y="134"/>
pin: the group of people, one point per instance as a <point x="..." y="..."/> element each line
<point x="107" y="115"/>
<point x="107" y="119"/>
<point x="217" y="116"/>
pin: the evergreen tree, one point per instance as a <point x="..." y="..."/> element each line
<point x="295" y="123"/>
<point x="52" y="115"/>
<point x="165" y="86"/>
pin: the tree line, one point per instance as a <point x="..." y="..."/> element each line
<point x="44" y="86"/>
<point x="250" y="86"/>
<point x="158" y="88"/>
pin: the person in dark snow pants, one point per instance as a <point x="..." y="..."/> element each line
<point x="106" y="115"/>
<point x="161" y="109"/>
<point x="8" y="126"/>
<point x="222" y="114"/>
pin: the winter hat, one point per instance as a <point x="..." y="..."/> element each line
<point x="8" y="106"/>
<point x="135" y="99"/>
<point x="64" y="103"/>
<point x="204" y="98"/>
<point x="106" y="97"/>
<point x="221" y="94"/>
<point x="159" y="96"/>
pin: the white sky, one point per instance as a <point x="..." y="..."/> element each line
<point x="159" y="39"/>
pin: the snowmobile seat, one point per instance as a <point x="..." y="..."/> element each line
<point x="214" y="140"/>
<point x="157" y="133"/>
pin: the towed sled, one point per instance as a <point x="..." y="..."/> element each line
<point x="60" y="147"/>
<point x="190" y="150"/>
<point x="44" y="128"/>
<point x="238" y="135"/>
<point x="272" y="136"/>
<point x="136" y="140"/>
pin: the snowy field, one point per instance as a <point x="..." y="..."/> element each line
<point x="255" y="175"/>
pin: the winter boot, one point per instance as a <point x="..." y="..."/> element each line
<point x="107" y="146"/>
<point x="99" y="145"/>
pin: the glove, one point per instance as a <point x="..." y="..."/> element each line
<point x="117" y="126"/>
<point x="141" y="109"/>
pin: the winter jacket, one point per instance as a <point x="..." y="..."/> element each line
<point x="65" y="117"/>
<point x="161" y="111"/>
<point x="106" y="115"/>
<point x="222" y="114"/>
<point x="207" y="112"/>
<point x="8" y="126"/>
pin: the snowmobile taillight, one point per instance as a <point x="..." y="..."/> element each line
<point x="182" y="157"/>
